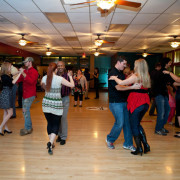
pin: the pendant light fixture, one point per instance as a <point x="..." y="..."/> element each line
<point x="48" y="52"/>
<point x="22" y="41"/>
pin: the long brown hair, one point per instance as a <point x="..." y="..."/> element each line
<point x="51" y="68"/>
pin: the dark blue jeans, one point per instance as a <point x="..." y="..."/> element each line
<point x="163" y="110"/>
<point x="135" y="118"/>
<point x="121" y="115"/>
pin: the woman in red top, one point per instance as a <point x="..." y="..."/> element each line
<point x="138" y="103"/>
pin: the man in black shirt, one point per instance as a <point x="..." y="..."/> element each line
<point x="160" y="92"/>
<point x="118" y="107"/>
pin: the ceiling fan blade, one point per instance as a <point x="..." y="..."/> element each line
<point x="108" y="42"/>
<point x="128" y="3"/>
<point x="32" y="43"/>
<point x="83" y="7"/>
<point x="105" y="12"/>
<point x="82" y="3"/>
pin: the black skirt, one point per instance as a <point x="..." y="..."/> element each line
<point x="6" y="100"/>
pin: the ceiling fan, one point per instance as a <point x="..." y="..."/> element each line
<point x="49" y="52"/>
<point x="24" y="42"/>
<point x="97" y="53"/>
<point x="98" y="42"/>
<point x="106" y="5"/>
<point x="144" y="54"/>
<point x="175" y="42"/>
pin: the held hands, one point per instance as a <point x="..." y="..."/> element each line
<point x="166" y="72"/>
<point x="70" y="73"/>
<point x="21" y="70"/>
<point x="113" y="78"/>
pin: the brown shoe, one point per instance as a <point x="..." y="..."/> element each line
<point x="24" y="132"/>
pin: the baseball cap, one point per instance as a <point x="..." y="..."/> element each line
<point x="28" y="59"/>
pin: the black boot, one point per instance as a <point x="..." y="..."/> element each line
<point x="144" y="141"/>
<point x="49" y="147"/>
<point x="139" y="149"/>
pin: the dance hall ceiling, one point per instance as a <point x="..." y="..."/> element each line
<point x="71" y="30"/>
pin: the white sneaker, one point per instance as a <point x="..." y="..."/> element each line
<point x="132" y="148"/>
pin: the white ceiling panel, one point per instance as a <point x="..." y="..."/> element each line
<point x="79" y="18"/>
<point x="4" y="7"/>
<point x="144" y="18"/>
<point x="133" y="29"/>
<point x="156" y="6"/>
<point x="166" y="19"/>
<point x="174" y="9"/>
<point x="122" y="18"/>
<point x="47" y="28"/>
<point x="99" y="28"/>
<point x="172" y="30"/>
<point x="28" y="28"/>
<point x="84" y="38"/>
<point x="65" y="29"/>
<point x="96" y="18"/>
<point x="151" y="30"/>
<point x="74" y="44"/>
<point x="77" y="9"/>
<point x="84" y="28"/>
<point x="36" y="17"/>
<point x="11" y="27"/>
<point x="23" y="6"/>
<point x="15" y="18"/>
<point x="49" y="5"/>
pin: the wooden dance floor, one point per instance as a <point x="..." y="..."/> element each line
<point x="85" y="155"/>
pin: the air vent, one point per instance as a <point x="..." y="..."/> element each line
<point x="118" y="27"/>
<point x="57" y="17"/>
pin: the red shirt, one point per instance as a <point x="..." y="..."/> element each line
<point x="29" y="82"/>
<point x="136" y="99"/>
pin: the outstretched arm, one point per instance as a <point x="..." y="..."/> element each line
<point x="15" y="80"/>
<point x="176" y="78"/>
<point x="124" y="88"/>
<point x="131" y="80"/>
<point x="67" y="83"/>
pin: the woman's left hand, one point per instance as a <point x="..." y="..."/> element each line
<point x="112" y="77"/>
<point x="166" y="72"/>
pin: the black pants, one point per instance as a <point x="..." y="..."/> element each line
<point x="76" y="95"/>
<point x="53" y="122"/>
<point x="20" y="94"/>
<point x="96" y="86"/>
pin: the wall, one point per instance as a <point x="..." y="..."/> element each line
<point x="131" y="57"/>
<point x="104" y="64"/>
<point x="6" y="50"/>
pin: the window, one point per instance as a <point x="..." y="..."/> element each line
<point x="177" y="57"/>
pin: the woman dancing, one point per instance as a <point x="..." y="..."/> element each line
<point x="138" y="103"/>
<point x="52" y="101"/>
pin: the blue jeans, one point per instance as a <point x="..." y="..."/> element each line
<point x="26" y="112"/>
<point x="14" y="89"/>
<point x="121" y="115"/>
<point x="136" y="117"/>
<point x="63" y="128"/>
<point x="163" y="110"/>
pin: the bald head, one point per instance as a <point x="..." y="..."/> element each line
<point x="61" y="66"/>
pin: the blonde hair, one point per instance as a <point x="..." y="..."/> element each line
<point x="141" y="70"/>
<point x="5" y="68"/>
